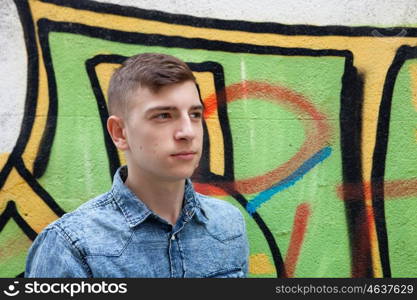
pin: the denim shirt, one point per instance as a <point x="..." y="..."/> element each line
<point x="117" y="235"/>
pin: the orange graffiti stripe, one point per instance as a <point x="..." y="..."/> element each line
<point x="391" y="189"/>
<point x="301" y="219"/>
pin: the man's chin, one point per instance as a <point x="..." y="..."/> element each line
<point x="181" y="175"/>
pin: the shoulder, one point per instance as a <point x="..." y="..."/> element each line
<point x="85" y="215"/>
<point x="93" y="225"/>
<point x="214" y="207"/>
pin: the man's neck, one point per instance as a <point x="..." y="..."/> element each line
<point x="162" y="197"/>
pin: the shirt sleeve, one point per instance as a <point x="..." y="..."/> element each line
<point x="52" y="255"/>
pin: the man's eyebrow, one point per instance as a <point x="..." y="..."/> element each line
<point x="197" y="107"/>
<point x="159" y="108"/>
<point x="165" y="108"/>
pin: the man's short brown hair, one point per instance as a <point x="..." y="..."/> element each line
<point x="146" y="70"/>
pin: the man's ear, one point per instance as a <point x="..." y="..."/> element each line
<point x="116" y="129"/>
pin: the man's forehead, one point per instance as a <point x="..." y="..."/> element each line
<point x="178" y="96"/>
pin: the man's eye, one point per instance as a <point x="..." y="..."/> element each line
<point x="162" y="116"/>
<point x="196" y="115"/>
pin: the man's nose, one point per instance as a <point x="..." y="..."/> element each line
<point x="185" y="130"/>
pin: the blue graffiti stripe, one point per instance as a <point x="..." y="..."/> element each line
<point x="264" y="196"/>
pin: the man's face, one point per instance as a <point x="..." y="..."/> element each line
<point x="164" y="131"/>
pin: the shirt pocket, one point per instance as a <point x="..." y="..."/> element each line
<point x="223" y="231"/>
<point x="214" y="254"/>
<point x="111" y="245"/>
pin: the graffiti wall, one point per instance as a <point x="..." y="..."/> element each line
<point x="310" y="131"/>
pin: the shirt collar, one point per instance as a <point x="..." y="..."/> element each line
<point x="135" y="211"/>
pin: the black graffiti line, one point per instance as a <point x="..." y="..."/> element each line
<point x="45" y="146"/>
<point x="380" y="152"/>
<point x="46" y="26"/>
<point x="38" y="189"/>
<point x="272" y="244"/>
<point x="284" y="51"/>
<point x="350" y="146"/>
<point x="113" y="157"/>
<point x="6" y="170"/>
<point x="255" y="27"/>
<point x="219" y="85"/>
<point x="41" y="192"/>
<point x="11" y="213"/>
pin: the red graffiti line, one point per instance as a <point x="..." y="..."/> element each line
<point x="391" y="189"/>
<point x="301" y="219"/>
<point x="315" y="124"/>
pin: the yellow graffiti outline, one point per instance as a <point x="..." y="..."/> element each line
<point x="259" y="264"/>
<point x="372" y="64"/>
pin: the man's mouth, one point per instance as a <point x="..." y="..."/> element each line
<point x="185" y="155"/>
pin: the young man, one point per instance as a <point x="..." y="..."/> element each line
<point x="151" y="223"/>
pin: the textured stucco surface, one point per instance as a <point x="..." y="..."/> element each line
<point x="13" y="62"/>
<point x="322" y="12"/>
<point x="297" y="136"/>
<point x="352" y="13"/>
